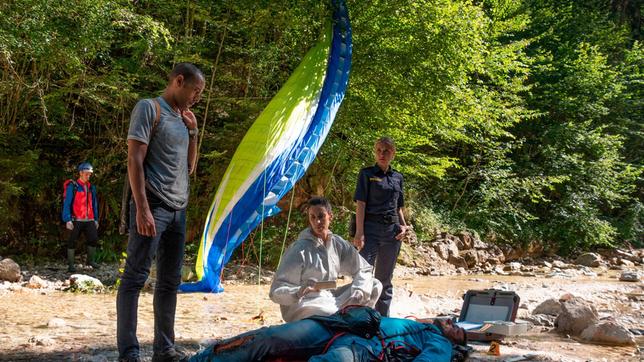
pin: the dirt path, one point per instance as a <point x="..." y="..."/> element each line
<point x="82" y="326"/>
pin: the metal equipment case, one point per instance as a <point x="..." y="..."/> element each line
<point x="481" y="306"/>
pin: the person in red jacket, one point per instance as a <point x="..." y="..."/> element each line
<point x="80" y="215"/>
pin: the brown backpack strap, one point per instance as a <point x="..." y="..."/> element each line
<point x="157" y="117"/>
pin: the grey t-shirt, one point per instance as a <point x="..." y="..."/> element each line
<point x="166" y="162"/>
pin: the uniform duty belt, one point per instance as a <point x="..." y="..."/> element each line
<point x="383" y="219"/>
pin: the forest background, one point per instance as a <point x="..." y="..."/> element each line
<point x="519" y="120"/>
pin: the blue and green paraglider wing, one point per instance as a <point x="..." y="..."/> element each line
<point x="276" y="150"/>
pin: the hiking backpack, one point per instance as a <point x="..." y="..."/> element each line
<point x="65" y="184"/>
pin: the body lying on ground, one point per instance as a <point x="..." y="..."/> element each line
<point x="353" y="334"/>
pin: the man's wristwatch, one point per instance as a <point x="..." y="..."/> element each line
<point x="193" y="132"/>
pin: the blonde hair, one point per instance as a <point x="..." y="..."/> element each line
<point x="385" y="141"/>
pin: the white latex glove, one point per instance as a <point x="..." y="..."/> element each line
<point x="96" y="223"/>
<point x="69" y="225"/>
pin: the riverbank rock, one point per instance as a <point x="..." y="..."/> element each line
<point x="630" y="276"/>
<point x="549" y="307"/>
<point x="457" y="261"/>
<point x="423" y="258"/>
<point x="410" y="237"/>
<point x="56" y="323"/>
<point x="446" y="248"/>
<point x="512" y="253"/>
<point x="36" y="282"/>
<point x="10" y="271"/>
<point x="465" y="241"/>
<point x="608" y="332"/>
<point x="85" y="283"/>
<point x="544" y="320"/>
<point x="623" y="257"/>
<point x="470" y="257"/>
<point x="589" y="259"/>
<point x="512" y="267"/>
<point x="466" y="250"/>
<point x="576" y="315"/>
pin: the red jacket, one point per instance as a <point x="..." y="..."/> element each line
<point x="80" y="202"/>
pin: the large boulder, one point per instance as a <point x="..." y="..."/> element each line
<point x="589" y="259"/>
<point x="457" y="261"/>
<point x="549" y="307"/>
<point x="445" y="248"/>
<point x="470" y="257"/>
<point x="496" y="253"/>
<point x="422" y="256"/>
<point x="407" y="255"/>
<point x="480" y="244"/>
<point x="511" y="253"/>
<point x="608" y="332"/>
<point x="484" y="256"/>
<point x="10" y="271"/>
<point x="576" y="315"/>
<point x="465" y="241"/>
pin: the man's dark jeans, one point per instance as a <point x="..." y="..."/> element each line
<point x="168" y="245"/>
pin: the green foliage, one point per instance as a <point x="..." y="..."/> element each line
<point x="426" y="220"/>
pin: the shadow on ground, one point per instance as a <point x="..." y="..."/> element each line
<point x="96" y="353"/>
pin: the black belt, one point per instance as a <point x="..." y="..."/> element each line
<point x="382" y="218"/>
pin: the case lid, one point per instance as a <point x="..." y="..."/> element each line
<point x="489" y="305"/>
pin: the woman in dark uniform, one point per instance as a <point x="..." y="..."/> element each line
<point x="380" y="223"/>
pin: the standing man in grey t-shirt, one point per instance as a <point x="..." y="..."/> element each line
<point x="162" y="152"/>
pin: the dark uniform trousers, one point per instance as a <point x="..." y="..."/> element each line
<point x="381" y="250"/>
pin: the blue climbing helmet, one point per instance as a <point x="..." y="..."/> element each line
<point x="86" y="166"/>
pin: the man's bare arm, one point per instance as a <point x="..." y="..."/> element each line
<point x="192" y="154"/>
<point x="136" y="152"/>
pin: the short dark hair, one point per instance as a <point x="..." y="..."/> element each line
<point x="189" y="72"/>
<point x="440" y="324"/>
<point x="319" y="201"/>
